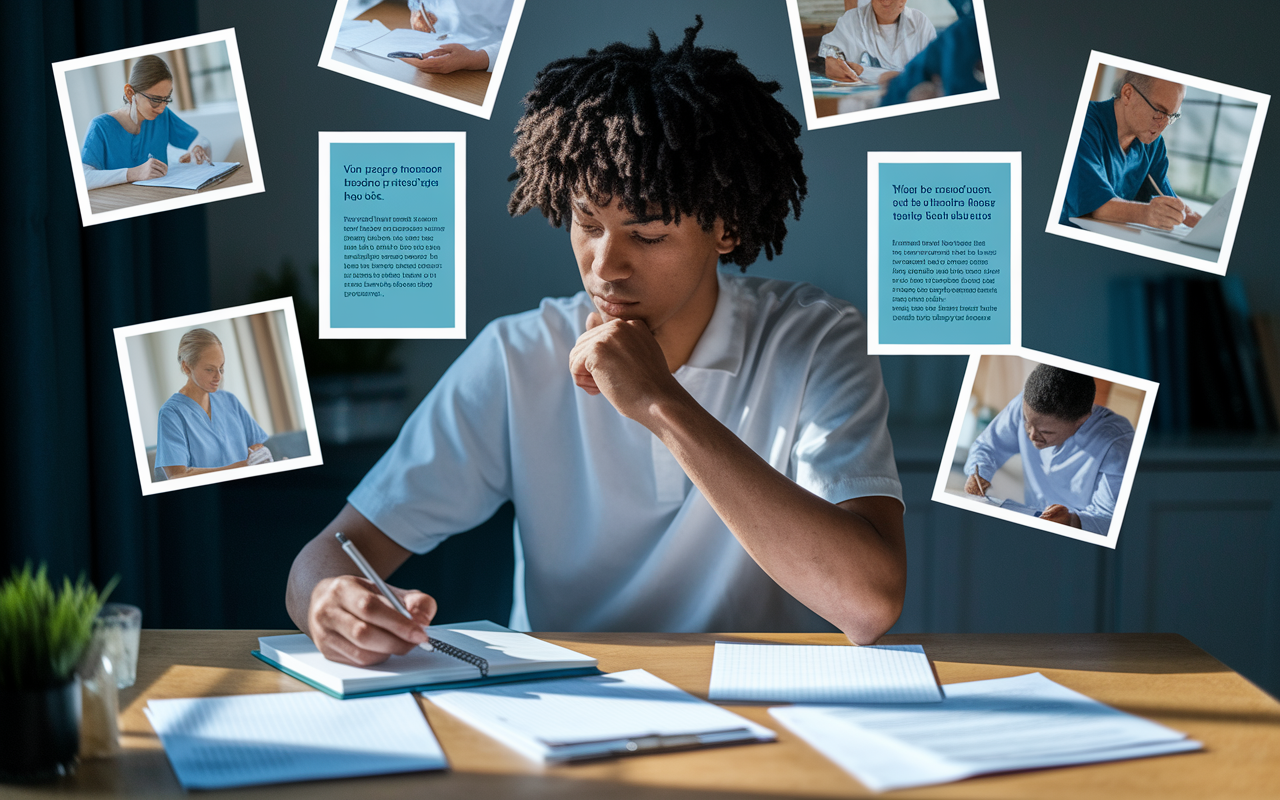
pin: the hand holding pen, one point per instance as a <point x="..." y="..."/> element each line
<point x="361" y="620"/>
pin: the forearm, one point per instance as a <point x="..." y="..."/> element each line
<point x="831" y="559"/>
<point x="186" y="472"/>
<point x="1117" y="210"/>
<point x="98" y="178"/>
<point x="323" y="558"/>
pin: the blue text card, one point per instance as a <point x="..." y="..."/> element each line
<point x="944" y="252"/>
<point x="392" y="235"/>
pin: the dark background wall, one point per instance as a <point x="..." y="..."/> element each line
<point x="1199" y="553"/>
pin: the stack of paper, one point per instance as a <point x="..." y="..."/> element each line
<point x="220" y="742"/>
<point x="814" y="673"/>
<point x="622" y="713"/>
<point x="998" y="725"/>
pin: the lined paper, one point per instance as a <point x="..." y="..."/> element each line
<point x="1026" y="722"/>
<point x="245" y="740"/>
<point x="815" y="673"/>
<point x="538" y="716"/>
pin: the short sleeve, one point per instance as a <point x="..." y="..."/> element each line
<point x="94" y="151"/>
<point x="450" y="468"/>
<point x="1089" y="187"/>
<point x="171" y="440"/>
<point x="1096" y="516"/>
<point x="842" y="448"/>
<point x="997" y="443"/>
<point x="181" y="135"/>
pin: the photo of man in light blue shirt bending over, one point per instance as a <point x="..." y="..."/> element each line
<point x="1073" y="452"/>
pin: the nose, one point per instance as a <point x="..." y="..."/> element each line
<point x="610" y="261"/>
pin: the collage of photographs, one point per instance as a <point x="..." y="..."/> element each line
<point x="559" y="316"/>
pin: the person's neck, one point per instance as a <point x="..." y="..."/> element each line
<point x="196" y="393"/>
<point x="881" y="20"/>
<point x="1122" y="130"/>
<point x="680" y="335"/>
<point x="129" y="124"/>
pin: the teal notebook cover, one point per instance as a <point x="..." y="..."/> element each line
<point x="467" y="684"/>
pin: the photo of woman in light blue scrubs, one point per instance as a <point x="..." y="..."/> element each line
<point x="202" y="429"/>
<point x="132" y="143"/>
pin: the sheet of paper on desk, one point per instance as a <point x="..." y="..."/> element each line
<point x="1010" y="505"/>
<point x="246" y="740"/>
<point x="410" y="41"/>
<point x="815" y="673"/>
<point x="570" y="718"/>
<point x="191" y="175"/>
<point x="1026" y="722"/>
<point x="354" y="32"/>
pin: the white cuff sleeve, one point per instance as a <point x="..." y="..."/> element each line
<point x="97" y="178"/>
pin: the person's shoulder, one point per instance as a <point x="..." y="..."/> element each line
<point x="225" y="398"/>
<point x="554" y="324"/>
<point x="103" y="124"/>
<point x="775" y="298"/>
<point x="173" y="407"/>
<point x="1110" y="425"/>
<point x="916" y="18"/>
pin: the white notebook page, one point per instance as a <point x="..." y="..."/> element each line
<point x="997" y="725"/>
<point x="815" y="673"/>
<point x="622" y="705"/>
<point x="219" y="742"/>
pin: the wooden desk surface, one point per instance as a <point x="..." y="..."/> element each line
<point x="123" y="195"/>
<point x="467" y="85"/>
<point x="1162" y="677"/>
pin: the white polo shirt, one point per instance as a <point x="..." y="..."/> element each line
<point x="610" y="534"/>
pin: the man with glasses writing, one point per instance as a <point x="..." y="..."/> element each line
<point x="1121" y="168"/>
<point x="132" y="143"/>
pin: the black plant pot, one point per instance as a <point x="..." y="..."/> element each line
<point x="40" y="734"/>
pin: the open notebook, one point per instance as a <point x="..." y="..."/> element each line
<point x="466" y="654"/>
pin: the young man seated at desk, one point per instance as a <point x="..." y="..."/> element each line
<point x="687" y="450"/>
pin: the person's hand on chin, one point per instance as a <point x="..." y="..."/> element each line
<point x="622" y="360"/>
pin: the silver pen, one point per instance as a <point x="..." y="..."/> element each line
<point x="350" y="548"/>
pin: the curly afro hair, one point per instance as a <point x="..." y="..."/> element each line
<point x="686" y="132"/>
<point x="1060" y="393"/>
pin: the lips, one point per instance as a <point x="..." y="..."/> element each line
<point x="612" y="305"/>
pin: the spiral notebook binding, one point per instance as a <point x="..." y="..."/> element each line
<point x="476" y="661"/>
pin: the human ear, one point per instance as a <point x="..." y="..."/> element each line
<point x="727" y="240"/>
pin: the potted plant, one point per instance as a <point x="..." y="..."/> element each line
<point x="358" y="392"/>
<point x="44" y="634"/>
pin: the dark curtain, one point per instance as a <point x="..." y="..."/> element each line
<point x="71" y="490"/>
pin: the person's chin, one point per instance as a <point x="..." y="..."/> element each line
<point x="1039" y="445"/>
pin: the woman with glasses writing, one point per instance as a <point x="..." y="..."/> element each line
<point x="202" y="429"/>
<point x="1121" y="168"/>
<point x="132" y="143"/>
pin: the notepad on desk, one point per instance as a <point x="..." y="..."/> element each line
<point x="622" y="713"/>
<point x="192" y="176"/>
<point x="467" y="653"/>
<point x="815" y="673"/>
<point x="247" y="740"/>
<point x="376" y="39"/>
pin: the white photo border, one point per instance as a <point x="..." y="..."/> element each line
<point x="149" y="484"/>
<point x="940" y="495"/>
<point x="459" y="140"/>
<point x="874" y="159"/>
<point x="227" y="36"/>
<point x="1218" y="267"/>
<point x="814" y="122"/>
<point x="484" y="110"/>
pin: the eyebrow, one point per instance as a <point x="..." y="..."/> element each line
<point x="640" y="219"/>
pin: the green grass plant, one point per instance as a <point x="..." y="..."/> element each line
<point x="43" y="632"/>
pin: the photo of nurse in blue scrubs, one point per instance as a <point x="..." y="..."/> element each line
<point x="132" y="143"/>
<point x="202" y="429"/>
